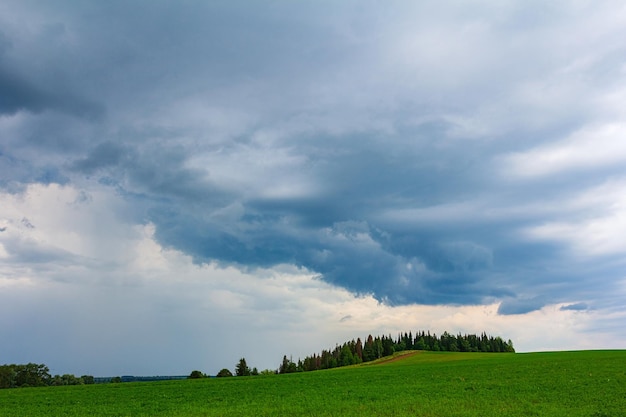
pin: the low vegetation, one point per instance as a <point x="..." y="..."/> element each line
<point x="410" y="383"/>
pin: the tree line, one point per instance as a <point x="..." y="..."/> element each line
<point x="355" y="352"/>
<point x="37" y="375"/>
<point x="241" y="369"/>
<point x="348" y="353"/>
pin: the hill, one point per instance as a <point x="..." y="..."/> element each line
<point x="585" y="383"/>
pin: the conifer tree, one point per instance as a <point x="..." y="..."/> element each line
<point x="242" y="368"/>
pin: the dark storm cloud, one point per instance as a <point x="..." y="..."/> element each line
<point x="104" y="155"/>
<point x="461" y="259"/>
<point x="373" y="146"/>
<point x="18" y="94"/>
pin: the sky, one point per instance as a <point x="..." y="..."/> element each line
<point x="185" y="183"/>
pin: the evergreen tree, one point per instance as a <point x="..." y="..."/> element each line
<point x="388" y="346"/>
<point x="510" y="346"/>
<point x="346" y="357"/>
<point x="287" y="366"/>
<point x="378" y="348"/>
<point x="421" y="344"/>
<point x="368" y="350"/>
<point x="242" y="368"/>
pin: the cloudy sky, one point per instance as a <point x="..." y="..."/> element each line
<point x="184" y="183"/>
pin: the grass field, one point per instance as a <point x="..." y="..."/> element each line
<point x="587" y="383"/>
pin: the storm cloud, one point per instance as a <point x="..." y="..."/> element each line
<point x="419" y="154"/>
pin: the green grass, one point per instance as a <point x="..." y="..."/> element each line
<point x="586" y="383"/>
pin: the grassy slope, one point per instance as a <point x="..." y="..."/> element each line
<point x="588" y="383"/>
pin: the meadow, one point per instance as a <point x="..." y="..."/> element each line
<point x="584" y="383"/>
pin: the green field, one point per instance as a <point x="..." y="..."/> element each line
<point x="586" y="383"/>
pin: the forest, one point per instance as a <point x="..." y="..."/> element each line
<point x="355" y="352"/>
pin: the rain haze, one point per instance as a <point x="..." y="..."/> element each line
<point x="185" y="183"/>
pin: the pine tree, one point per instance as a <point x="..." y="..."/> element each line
<point x="378" y="347"/>
<point x="242" y="368"/>
<point x="287" y="366"/>
<point x="421" y="344"/>
<point x="368" y="350"/>
<point x="346" y="357"/>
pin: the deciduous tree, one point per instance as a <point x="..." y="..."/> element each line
<point x="195" y="375"/>
<point x="224" y="373"/>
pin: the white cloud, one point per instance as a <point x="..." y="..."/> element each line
<point x="596" y="147"/>
<point x="65" y="219"/>
<point x="259" y="171"/>
<point x="592" y="223"/>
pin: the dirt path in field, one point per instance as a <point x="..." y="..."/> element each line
<point x="399" y="357"/>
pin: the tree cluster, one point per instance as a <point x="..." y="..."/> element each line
<point x="36" y="375"/>
<point x="241" y="369"/>
<point x="354" y="352"/>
